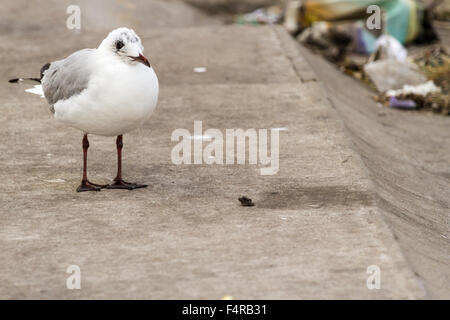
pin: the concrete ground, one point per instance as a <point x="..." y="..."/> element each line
<point x="316" y="226"/>
<point x="407" y="158"/>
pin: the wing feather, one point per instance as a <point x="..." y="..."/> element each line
<point x="64" y="78"/>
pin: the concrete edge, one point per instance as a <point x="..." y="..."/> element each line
<point x="297" y="54"/>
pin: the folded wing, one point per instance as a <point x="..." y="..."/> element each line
<point x="65" y="78"/>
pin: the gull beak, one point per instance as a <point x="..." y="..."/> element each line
<point x="140" y="58"/>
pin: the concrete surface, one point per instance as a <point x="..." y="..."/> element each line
<point x="407" y="156"/>
<point x="37" y="17"/>
<point x="316" y="226"/>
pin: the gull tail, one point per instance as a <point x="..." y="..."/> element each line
<point x="32" y="80"/>
<point x="37" y="89"/>
<point x="25" y="80"/>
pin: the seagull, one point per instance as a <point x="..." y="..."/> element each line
<point x="107" y="91"/>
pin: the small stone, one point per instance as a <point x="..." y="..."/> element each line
<point x="246" y="202"/>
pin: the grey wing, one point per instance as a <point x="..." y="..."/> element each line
<point x="67" y="77"/>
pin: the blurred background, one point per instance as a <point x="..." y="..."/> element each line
<point x="414" y="33"/>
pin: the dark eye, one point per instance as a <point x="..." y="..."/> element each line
<point x="119" y="45"/>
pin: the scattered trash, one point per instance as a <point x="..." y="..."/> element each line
<point x="389" y="48"/>
<point x="401" y="19"/>
<point x="404" y="20"/>
<point x="246" y="202"/>
<point x="340" y="31"/>
<point x="269" y="15"/>
<point x="401" y="104"/>
<point x="200" y="69"/>
<point x="435" y="64"/>
<point x="424" y="96"/>
<point x="392" y="74"/>
<point x="422" y="89"/>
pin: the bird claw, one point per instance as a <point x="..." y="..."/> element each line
<point x="120" y="184"/>
<point x="89" y="186"/>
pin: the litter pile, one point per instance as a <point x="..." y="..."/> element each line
<point x="434" y="65"/>
<point x="366" y="39"/>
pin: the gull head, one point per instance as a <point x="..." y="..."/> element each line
<point x="125" y="44"/>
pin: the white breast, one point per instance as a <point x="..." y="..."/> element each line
<point x="120" y="97"/>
